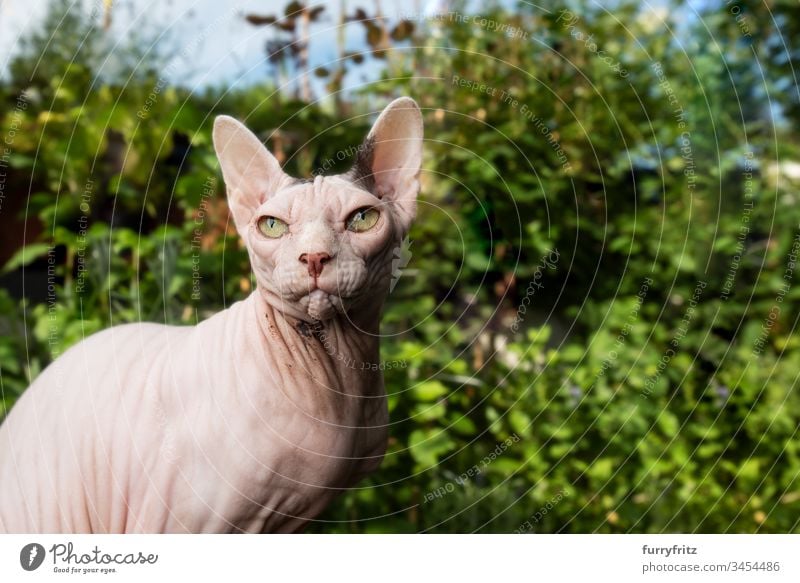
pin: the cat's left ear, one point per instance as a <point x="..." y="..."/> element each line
<point x="388" y="163"/>
<point x="251" y="173"/>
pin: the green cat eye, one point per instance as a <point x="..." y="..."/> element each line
<point x="363" y="219"/>
<point x="272" y="227"/>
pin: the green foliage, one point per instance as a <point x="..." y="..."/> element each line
<point x="651" y="383"/>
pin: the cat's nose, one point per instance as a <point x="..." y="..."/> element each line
<point x="315" y="262"/>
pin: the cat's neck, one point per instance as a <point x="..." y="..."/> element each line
<point x="343" y="342"/>
<point x="365" y="320"/>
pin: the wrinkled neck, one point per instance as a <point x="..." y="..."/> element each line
<point x="339" y="340"/>
<point x="364" y="319"/>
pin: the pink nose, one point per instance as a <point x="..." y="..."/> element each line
<point x="315" y="262"/>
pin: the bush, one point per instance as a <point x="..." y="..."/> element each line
<point x="597" y="325"/>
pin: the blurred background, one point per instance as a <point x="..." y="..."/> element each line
<point x="594" y="322"/>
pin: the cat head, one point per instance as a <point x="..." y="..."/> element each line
<point x="325" y="246"/>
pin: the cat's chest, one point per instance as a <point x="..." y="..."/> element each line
<point x="308" y="417"/>
<point x="292" y="463"/>
<point x="293" y="423"/>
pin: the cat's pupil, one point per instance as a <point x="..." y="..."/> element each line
<point x="270" y="222"/>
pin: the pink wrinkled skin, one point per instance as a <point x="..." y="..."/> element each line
<point x="255" y="419"/>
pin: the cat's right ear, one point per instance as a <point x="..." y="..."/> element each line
<point x="388" y="163"/>
<point x="251" y="173"/>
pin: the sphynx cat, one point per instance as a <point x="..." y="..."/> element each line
<point x="252" y="420"/>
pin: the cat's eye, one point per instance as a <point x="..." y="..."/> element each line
<point x="362" y="219"/>
<point x="272" y="227"/>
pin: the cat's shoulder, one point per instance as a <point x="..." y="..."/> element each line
<point x="132" y="334"/>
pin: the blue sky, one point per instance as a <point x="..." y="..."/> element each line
<point x="211" y="41"/>
<point x="223" y="48"/>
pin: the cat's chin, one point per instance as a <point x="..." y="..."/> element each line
<point x="320" y="306"/>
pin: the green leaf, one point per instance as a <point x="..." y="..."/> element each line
<point x="429" y="391"/>
<point x="428" y="445"/>
<point x="26" y="255"/>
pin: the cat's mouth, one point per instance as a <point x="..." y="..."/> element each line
<point x="322" y="298"/>
<point x="331" y="289"/>
<point x="323" y="305"/>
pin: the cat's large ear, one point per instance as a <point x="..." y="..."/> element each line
<point x="251" y="173"/>
<point x="388" y="163"/>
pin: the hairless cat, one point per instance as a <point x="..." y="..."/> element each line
<point x="256" y="418"/>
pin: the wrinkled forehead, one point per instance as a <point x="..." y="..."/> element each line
<point x="319" y="196"/>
